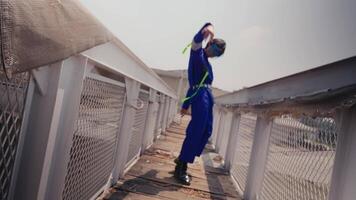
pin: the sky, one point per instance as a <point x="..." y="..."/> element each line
<point x="266" y="39"/>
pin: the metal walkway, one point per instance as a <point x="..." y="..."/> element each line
<point x="71" y="129"/>
<point x="152" y="176"/>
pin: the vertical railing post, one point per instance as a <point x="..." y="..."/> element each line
<point x="217" y="116"/>
<point x="164" y="124"/>
<point x="258" y="157"/>
<point x="150" y="124"/>
<point x="173" y="107"/>
<point x="169" y="111"/>
<point x="160" y="120"/>
<point x="220" y="129"/>
<point x="176" y="108"/>
<point x="132" y="91"/>
<point x="159" y="110"/>
<point x="180" y="84"/>
<point x="232" y="143"/>
<point x="46" y="147"/>
<point x="43" y="115"/>
<point x="343" y="179"/>
<point x="225" y="134"/>
<point x="163" y="114"/>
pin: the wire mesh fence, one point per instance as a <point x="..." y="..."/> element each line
<point x="138" y="127"/>
<point x="12" y="100"/>
<point x="241" y="163"/>
<point x="94" y="140"/>
<point x="300" y="159"/>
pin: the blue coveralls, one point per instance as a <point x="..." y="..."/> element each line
<point x="200" y="127"/>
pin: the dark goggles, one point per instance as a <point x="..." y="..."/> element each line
<point x="216" y="50"/>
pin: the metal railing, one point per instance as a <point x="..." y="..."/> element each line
<point x="138" y="128"/>
<point x="84" y="122"/>
<point x="95" y="135"/>
<point x="239" y="168"/>
<point x="287" y="138"/>
<point x="300" y="158"/>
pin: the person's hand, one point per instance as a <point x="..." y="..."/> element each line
<point x="208" y="31"/>
<point x="183" y="112"/>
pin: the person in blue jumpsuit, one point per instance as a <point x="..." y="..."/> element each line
<point x="200" y="98"/>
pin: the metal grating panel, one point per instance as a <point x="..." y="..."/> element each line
<point x="94" y="140"/>
<point x="300" y="159"/>
<point x="138" y="128"/>
<point x="243" y="151"/>
<point x="12" y="101"/>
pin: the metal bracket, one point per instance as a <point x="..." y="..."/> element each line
<point x="142" y="104"/>
<point x="40" y="77"/>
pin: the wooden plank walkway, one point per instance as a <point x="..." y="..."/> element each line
<point x="152" y="176"/>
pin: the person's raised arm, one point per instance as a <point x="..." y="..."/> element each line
<point x="206" y="31"/>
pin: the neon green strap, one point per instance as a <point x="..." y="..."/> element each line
<point x="185" y="49"/>
<point x="200" y="85"/>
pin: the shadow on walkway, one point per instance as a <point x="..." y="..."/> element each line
<point x="140" y="185"/>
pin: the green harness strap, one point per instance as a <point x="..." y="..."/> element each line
<point x="201" y="82"/>
<point x="200" y="85"/>
<point x="186" y="48"/>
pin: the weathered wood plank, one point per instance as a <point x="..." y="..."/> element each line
<point x="217" y="184"/>
<point x="152" y="176"/>
<point x="161" y="189"/>
<point x="120" y="195"/>
<point x="196" y="166"/>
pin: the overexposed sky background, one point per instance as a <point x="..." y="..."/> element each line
<point x="265" y="39"/>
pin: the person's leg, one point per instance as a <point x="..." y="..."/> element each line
<point x="191" y="142"/>
<point x="195" y="131"/>
<point x="207" y="132"/>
